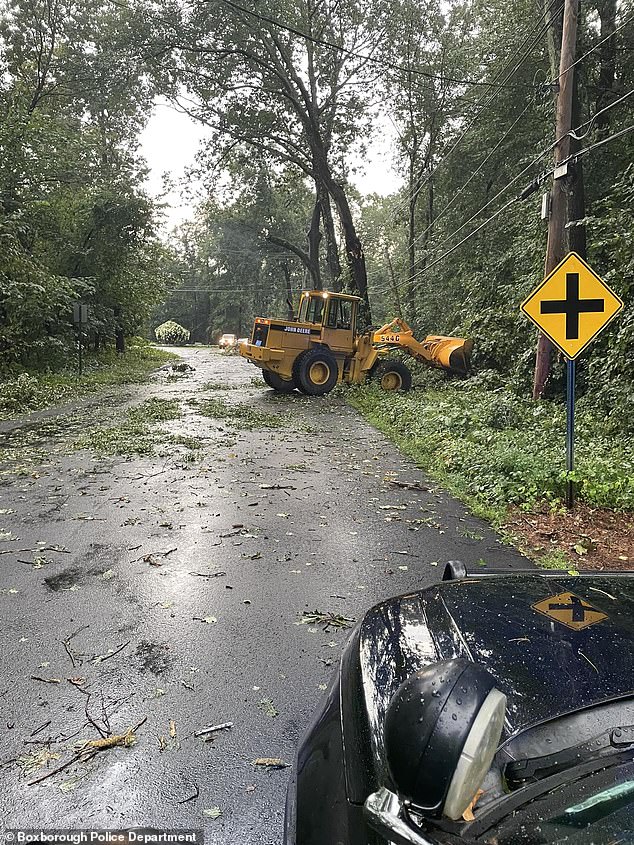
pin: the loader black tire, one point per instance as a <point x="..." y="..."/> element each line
<point x="315" y="372"/>
<point x="279" y="384"/>
<point x="393" y="375"/>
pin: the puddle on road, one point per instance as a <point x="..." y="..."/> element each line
<point x="65" y="580"/>
<point x="154" y="657"/>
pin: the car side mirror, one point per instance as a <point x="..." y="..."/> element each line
<point x="442" y="729"/>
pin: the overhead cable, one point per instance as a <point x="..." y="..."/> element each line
<point x="542" y="25"/>
<point x="474" y="173"/>
<point x="523" y="195"/>
<point x="591" y="50"/>
<point x="367" y="58"/>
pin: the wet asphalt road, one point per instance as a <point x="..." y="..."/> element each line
<point x="170" y="590"/>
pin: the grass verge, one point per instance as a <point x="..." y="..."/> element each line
<point x="496" y="451"/>
<point x="34" y="391"/>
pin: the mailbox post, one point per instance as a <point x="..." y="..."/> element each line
<point x="80" y="319"/>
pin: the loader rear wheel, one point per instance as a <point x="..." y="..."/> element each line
<point x="315" y="372"/>
<point x="281" y="385"/>
<point x="393" y="375"/>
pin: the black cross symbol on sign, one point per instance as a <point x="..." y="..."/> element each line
<point x="577" y="606"/>
<point x="572" y="306"/>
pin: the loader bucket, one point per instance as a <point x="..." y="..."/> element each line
<point x="450" y="353"/>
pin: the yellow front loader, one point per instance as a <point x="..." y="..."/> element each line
<point x="323" y="348"/>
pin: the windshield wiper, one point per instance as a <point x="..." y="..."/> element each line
<point x="604" y="745"/>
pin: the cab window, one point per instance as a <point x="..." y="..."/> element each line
<point x="315" y="310"/>
<point x="345" y="314"/>
<point x="339" y="314"/>
<point x="333" y="314"/>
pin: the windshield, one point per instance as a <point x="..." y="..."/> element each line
<point x="596" y="810"/>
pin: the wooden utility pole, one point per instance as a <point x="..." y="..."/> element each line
<point x="556" y="248"/>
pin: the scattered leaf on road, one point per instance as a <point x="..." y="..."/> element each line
<point x="126" y="740"/>
<point x="267" y="707"/>
<point x="328" y="620"/>
<point x="271" y="763"/>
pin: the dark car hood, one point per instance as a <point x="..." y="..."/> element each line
<point x="544" y="668"/>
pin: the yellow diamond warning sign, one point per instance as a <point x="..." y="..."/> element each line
<point x="572" y="305"/>
<point x="570" y="610"/>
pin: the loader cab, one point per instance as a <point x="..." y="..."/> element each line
<point x="336" y="313"/>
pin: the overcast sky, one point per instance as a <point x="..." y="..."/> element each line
<point x="170" y="141"/>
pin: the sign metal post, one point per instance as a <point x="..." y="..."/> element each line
<point x="570" y="432"/>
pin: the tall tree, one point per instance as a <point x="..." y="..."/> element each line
<point x="286" y="79"/>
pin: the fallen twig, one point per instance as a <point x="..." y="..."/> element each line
<point x="328" y="620"/>
<point x="69" y="653"/>
<point x="46" y="680"/>
<point x="148" y="557"/>
<point x="222" y="727"/>
<point x="271" y="763"/>
<point x="409" y="485"/>
<point x="88" y="694"/>
<point x="277" y="487"/>
<point x="100" y="658"/>
<point x="191" y="797"/>
<point x="209" y="574"/>
<point x="78" y="758"/>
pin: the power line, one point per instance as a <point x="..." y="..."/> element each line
<point x="588" y="123"/>
<point x="592" y="49"/>
<point x="368" y="58"/>
<point x="532" y="163"/>
<point x="523" y="195"/>
<point x="460" y="243"/>
<point x="541" y="25"/>
<point x="472" y="176"/>
<point x="542" y="29"/>
<point x="580" y="153"/>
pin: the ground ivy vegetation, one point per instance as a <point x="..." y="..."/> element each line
<point x="494" y="449"/>
<point x="30" y="391"/>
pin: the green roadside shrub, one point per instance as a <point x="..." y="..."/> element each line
<point x="172" y="333"/>
<point x="18" y="393"/>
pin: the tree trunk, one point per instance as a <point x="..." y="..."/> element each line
<point x="607" y="53"/>
<point x="119" y="335"/>
<point x="553" y="39"/>
<point x="397" y="298"/>
<point x="289" y="290"/>
<point x="411" y="221"/>
<point x="332" y="253"/>
<point x="355" y="258"/>
<point x="314" y="239"/>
